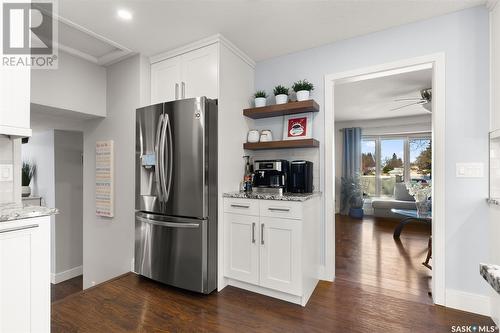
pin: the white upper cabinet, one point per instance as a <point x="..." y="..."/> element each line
<point x="165" y="80"/>
<point x="200" y="72"/>
<point x="15" y="101"/>
<point x="191" y="74"/>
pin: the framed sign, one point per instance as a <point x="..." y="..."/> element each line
<point x="297" y="126"/>
<point x="104" y="178"/>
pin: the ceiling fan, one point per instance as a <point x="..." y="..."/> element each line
<point x="425" y="100"/>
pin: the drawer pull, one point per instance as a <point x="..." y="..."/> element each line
<point x="273" y="209"/>
<point x="31" y="226"/>
<point x="240" y="206"/>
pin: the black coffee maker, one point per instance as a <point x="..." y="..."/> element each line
<point x="301" y="177"/>
<point x="270" y="176"/>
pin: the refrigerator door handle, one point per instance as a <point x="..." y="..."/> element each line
<point x="158" y="159"/>
<point x="168" y="224"/>
<point x="176" y="91"/>
<point x="162" y="158"/>
<point x="183" y="85"/>
<point x="170" y="162"/>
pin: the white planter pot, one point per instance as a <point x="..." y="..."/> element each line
<point x="281" y="99"/>
<point x="303" y="95"/>
<point x="25" y="191"/>
<point x="260" y="101"/>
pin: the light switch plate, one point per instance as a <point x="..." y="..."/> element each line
<point x="6" y="174"/>
<point x="470" y="170"/>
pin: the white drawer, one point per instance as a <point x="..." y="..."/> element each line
<point x="241" y="206"/>
<point x="282" y="209"/>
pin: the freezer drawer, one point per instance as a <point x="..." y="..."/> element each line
<point x="173" y="251"/>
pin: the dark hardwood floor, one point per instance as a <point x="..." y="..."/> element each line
<point x="366" y="253"/>
<point x="380" y="287"/>
<point x="66" y="288"/>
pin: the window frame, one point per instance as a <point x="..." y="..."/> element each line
<point x="406" y="154"/>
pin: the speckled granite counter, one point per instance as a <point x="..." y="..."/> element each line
<point x="14" y="211"/>
<point x="265" y="196"/>
<point x="491" y="273"/>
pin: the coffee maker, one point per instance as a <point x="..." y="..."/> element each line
<point x="301" y="177"/>
<point x="270" y="176"/>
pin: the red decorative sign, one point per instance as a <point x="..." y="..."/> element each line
<point x="297" y="127"/>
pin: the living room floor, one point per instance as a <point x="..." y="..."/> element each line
<point x="380" y="287"/>
<point x="366" y="253"/>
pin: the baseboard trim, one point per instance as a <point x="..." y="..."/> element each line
<point x="66" y="275"/>
<point x="469" y="302"/>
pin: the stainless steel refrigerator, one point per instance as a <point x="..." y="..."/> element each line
<point x="176" y="193"/>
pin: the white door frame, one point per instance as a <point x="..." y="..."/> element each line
<point x="437" y="63"/>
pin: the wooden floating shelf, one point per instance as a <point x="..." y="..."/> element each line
<point x="282" y="109"/>
<point x="302" y="143"/>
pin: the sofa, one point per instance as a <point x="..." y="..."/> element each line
<point x="402" y="200"/>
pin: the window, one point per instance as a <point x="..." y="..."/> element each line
<point x="368" y="167"/>
<point x="386" y="160"/>
<point x="420" y="159"/>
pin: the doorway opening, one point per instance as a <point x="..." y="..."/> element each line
<point x="384" y="193"/>
<point x="55" y="150"/>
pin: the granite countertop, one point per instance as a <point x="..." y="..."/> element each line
<point x="491" y="273"/>
<point x="266" y="196"/>
<point x="16" y="211"/>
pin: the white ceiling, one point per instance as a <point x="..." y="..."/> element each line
<point x="374" y="98"/>
<point x="262" y="29"/>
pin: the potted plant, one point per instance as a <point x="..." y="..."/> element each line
<point x="281" y="94"/>
<point x="422" y="193"/>
<point x="352" y="197"/>
<point x="260" y="98"/>
<point x="27" y="173"/>
<point x="303" y="89"/>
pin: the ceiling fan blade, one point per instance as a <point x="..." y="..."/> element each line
<point x="408" y="99"/>
<point x="407" y="105"/>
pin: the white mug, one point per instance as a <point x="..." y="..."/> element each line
<point x="253" y="136"/>
<point x="266" y="135"/>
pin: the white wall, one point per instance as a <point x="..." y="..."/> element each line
<point x="495" y="125"/>
<point x="40" y="150"/>
<point x="10" y="191"/>
<point x="108" y="243"/>
<point x="76" y="85"/>
<point x="464" y="38"/>
<point x="68" y="167"/>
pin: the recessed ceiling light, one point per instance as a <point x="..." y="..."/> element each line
<point x="124" y="14"/>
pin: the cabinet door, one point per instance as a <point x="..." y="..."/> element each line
<point x="200" y="72"/>
<point x="280" y="248"/>
<point x="241" y="247"/>
<point x="165" y="80"/>
<point x="25" y="277"/>
<point x="14" y="99"/>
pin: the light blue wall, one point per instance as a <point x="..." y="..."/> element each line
<point x="464" y="38"/>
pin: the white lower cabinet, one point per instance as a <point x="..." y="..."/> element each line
<point x="266" y="249"/>
<point x="242" y="249"/>
<point x="280" y="260"/>
<point x="25" y="275"/>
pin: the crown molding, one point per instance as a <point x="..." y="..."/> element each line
<point x="217" y="38"/>
<point x="491" y="4"/>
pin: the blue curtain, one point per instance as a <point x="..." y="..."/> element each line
<point x="351" y="163"/>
